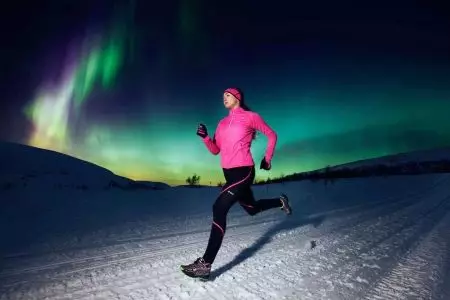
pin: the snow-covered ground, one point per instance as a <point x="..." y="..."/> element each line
<point x="376" y="238"/>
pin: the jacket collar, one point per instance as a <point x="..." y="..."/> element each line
<point x="236" y="110"/>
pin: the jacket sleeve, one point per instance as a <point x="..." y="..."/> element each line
<point x="259" y="124"/>
<point x="212" y="145"/>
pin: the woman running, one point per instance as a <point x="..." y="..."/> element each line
<point x="232" y="139"/>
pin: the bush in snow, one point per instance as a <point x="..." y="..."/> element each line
<point x="194" y="180"/>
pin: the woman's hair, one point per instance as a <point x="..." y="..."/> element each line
<point x="244" y="106"/>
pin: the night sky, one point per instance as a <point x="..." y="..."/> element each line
<point x="123" y="84"/>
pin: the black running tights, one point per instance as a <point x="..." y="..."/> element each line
<point x="237" y="189"/>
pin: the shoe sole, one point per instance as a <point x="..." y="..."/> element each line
<point x="203" y="278"/>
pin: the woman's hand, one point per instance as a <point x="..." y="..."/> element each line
<point x="265" y="165"/>
<point x="202" y="131"/>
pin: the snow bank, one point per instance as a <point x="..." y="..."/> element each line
<point x="30" y="167"/>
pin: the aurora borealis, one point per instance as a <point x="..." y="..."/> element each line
<point x="336" y="84"/>
<point x="56" y="105"/>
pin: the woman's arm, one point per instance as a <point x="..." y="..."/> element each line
<point x="259" y="124"/>
<point x="211" y="144"/>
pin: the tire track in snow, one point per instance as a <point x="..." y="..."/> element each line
<point x="340" y="266"/>
<point x="443" y="292"/>
<point x="420" y="274"/>
<point x="386" y="254"/>
<point x="368" y="262"/>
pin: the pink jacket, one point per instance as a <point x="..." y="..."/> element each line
<point x="233" y="138"/>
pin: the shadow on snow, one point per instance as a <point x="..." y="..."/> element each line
<point x="287" y="224"/>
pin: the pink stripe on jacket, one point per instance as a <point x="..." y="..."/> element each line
<point x="233" y="138"/>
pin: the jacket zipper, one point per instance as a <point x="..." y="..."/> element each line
<point x="232" y="116"/>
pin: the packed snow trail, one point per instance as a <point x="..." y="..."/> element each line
<point x="390" y="242"/>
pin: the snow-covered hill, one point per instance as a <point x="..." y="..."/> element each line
<point x="400" y="158"/>
<point x="24" y="167"/>
<point x="373" y="238"/>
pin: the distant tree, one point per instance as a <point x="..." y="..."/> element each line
<point x="220" y="184"/>
<point x="193" y="180"/>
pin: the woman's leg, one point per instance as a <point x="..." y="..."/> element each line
<point x="248" y="202"/>
<point x="229" y="195"/>
<point x="220" y="210"/>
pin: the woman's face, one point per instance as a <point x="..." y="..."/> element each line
<point x="230" y="101"/>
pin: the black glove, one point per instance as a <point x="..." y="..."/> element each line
<point x="202" y="131"/>
<point x="265" y="165"/>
